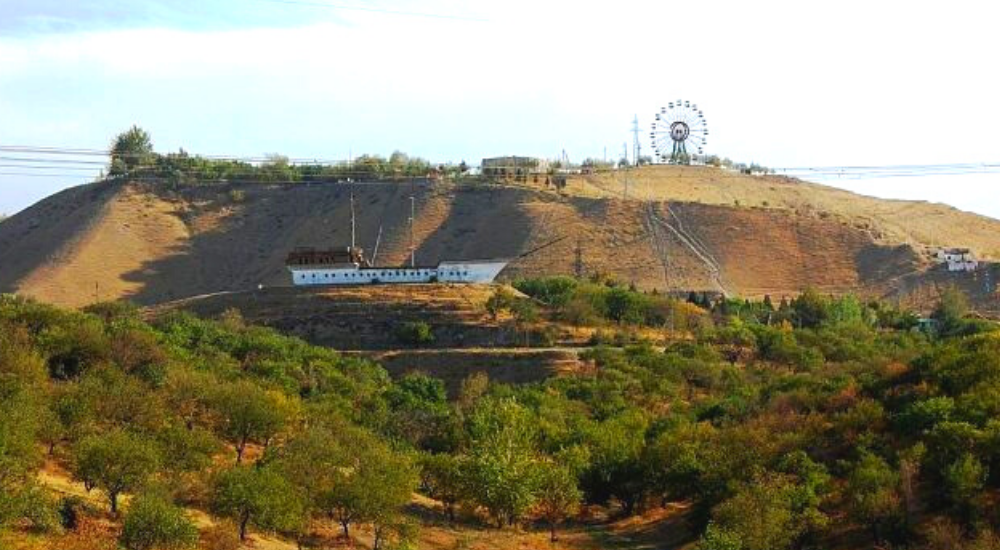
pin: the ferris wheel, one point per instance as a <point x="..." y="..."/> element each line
<point x="679" y="131"/>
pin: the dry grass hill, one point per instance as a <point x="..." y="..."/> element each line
<point x="676" y="228"/>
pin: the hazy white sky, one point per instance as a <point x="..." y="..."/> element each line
<point x="781" y="83"/>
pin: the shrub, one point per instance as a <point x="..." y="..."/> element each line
<point x="153" y="522"/>
<point x="415" y="333"/>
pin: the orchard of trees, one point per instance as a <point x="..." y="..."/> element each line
<point x="811" y="423"/>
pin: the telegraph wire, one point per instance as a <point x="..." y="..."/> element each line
<point x="42" y="158"/>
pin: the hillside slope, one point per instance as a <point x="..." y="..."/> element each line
<point x="679" y="229"/>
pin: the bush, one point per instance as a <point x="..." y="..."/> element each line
<point x="415" y="333"/>
<point x="153" y="522"/>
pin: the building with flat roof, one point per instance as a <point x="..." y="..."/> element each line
<point x="958" y="259"/>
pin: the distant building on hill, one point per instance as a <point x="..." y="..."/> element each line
<point x="514" y="166"/>
<point x="958" y="259"/>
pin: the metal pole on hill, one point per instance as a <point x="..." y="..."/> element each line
<point x="413" y="210"/>
<point x="636" y="147"/>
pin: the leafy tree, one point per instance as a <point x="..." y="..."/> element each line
<point x="501" y="300"/>
<point x="502" y="466"/>
<point x="441" y="479"/>
<point x="719" y="538"/>
<point x="873" y="493"/>
<point x="29" y="503"/>
<point x="188" y="393"/>
<point x="951" y="309"/>
<point x="415" y="333"/>
<point x="22" y="377"/>
<point x="761" y="515"/>
<point x="811" y="308"/>
<point x="152" y="522"/>
<point x="964" y="481"/>
<point x="187" y="450"/>
<point x="420" y="413"/>
<point x="558" y="496"/>
<point x="131" y="149"/>
<point x="251" y="414"/>
<point x="373" y="488"/>
<point x="75" y="347"/>
<point x="115" y="462"/>
<point x="617" y="469"/>
<point x="625" y="306"/>
<point x="473" y="387"/>
<point x="256" y="496"/>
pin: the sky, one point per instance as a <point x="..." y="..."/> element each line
<point x="781" y="83"/>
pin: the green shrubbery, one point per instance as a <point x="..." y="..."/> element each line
<point x="773" y="422"/>
<point x="415" y="333"/>
<point x="133" y="158"/>
<point x="591" y="303"/>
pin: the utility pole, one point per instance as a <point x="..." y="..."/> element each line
<point x="624" y="170"/>
<point x="413" y="250"/>
<point x="352" y="222"/>
<point x="578" y="264"/>
<point x="636" y="148"/>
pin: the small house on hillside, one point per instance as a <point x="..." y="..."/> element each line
<point x="513" y="166"/>
<point x="958" y="259"/>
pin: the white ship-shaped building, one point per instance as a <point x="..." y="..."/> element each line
<point x="347" y="266"/>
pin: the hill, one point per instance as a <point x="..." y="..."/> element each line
<point x="678" y="229"/>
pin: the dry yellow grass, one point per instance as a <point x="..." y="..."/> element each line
<point x="681" y="228"/>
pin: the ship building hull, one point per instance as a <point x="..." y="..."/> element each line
<point x="474" y="271"/>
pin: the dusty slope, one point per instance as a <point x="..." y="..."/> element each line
<point x="680" y="229"/>
<point x="891" y="221"/>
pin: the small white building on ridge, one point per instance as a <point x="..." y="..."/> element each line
<point x="958" y="259"/>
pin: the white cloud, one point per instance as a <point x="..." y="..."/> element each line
<point x="782" y="83"/>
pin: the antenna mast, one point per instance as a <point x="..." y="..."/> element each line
<point x="636" y="148"/>
<point x="352" y="222"/>
<point x="413" y="250"/>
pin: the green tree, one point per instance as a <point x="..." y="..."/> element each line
<point x="501" y="300"/>
<point x="415" y="333"/>
<point x="131" y="149"/>
<point x="22" y="378"/>
<point x="558" y="496"/>
<point x="377" y="484"/>
<point x="502" y="467"/>
<point x="761" y="515"/>
<point x="617" y="468"/>
<point x="256" y="496"/>
<point x="964" y="481"/>
<point x="873" y="494"/>
<point x="151" y="522"/>
<point x="420" y="413"/>
<point x="811" y="308"/>
<point x="951" y="309"/>
<point x="441" y="479"/>
<point x="115" y="462"/>
<point x="313" y="461"/>
<point x="719" y="538"/>
<point x="250" y="414"/>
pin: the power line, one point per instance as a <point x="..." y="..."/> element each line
<point x="42" y="158"/>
